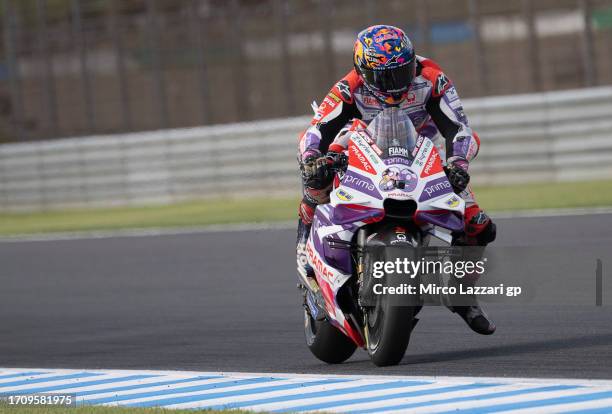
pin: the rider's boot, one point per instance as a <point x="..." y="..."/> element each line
<point x="475" y="318"/>
<point x="471" y="312"/>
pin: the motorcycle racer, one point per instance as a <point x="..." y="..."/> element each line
<point x="387" y="72"/>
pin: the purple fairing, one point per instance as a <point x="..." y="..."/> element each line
<point x="436" y="188"/>
<point x="360" y="183"/>
<point x="333" y="248"/>
<point x="448" y="220"/>
<point x="338" y="256"/>
<point x="345" y="215"/>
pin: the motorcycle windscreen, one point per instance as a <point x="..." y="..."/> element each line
<point x="394" y="133"/>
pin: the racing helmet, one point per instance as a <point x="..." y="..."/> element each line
<point x="384" y="58"/>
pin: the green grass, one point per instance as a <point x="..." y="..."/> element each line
<point x="24" y="409"/>
<point x="546" y="196"/>
<point x="224" y="211"/>
<point x="196" y="213"/>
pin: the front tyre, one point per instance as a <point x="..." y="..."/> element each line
<point x="388" y="331"/>
<point x="326" y="342"/>
<point x="388" y="325"/>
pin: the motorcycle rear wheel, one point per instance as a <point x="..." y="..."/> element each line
<point x="326" y="342"/>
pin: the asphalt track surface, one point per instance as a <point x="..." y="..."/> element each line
<point x="228" y="302"/>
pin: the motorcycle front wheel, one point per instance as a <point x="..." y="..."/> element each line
<point x="387" y="327"/>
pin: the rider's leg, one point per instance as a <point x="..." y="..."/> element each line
<point x="306" y="213"/>
<point x="479" y="231"/>
<point x="312" y="197"/>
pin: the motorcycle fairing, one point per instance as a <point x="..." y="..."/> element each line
<point x="328" y="252"/>
<point x="357" y="199"/>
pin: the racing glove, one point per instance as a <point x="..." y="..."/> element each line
<point x="457" y="174"/>
<point x="337" y="161"/>
<point x="316" y="171"/>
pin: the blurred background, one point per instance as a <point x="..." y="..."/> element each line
<point x="82" y="67"/>
<point x="187" y="112"/>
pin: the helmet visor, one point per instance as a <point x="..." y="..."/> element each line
<point x="390" y="80"/>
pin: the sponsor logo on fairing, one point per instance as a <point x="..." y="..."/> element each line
<point x="419" y="161"/>
<point x="358" y="160"/>
<point x="417" y="146"/>
<point x="362" y="155"/>
<point x="366" y="149"/>
<point x="452" y="202"/>
<point x="400" y="235"/>
<point x="398" y="178"/>
<point x="399" y="152"/>
<point x="373" y="145"/>
<point x="436" y="188"/>
<point x="343" y="195"/>
<point x="433" y="164"/>
<point x="397" y="160"/>
<point x="318" y="265"/>
<point x="360" y="183"/>
<point x="376" y="149"/>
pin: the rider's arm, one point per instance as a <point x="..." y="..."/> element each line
<point x="336" y="110"/>
<point x="446" y="111"/>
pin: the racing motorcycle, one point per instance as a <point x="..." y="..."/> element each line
<point x="391" y="192"/>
